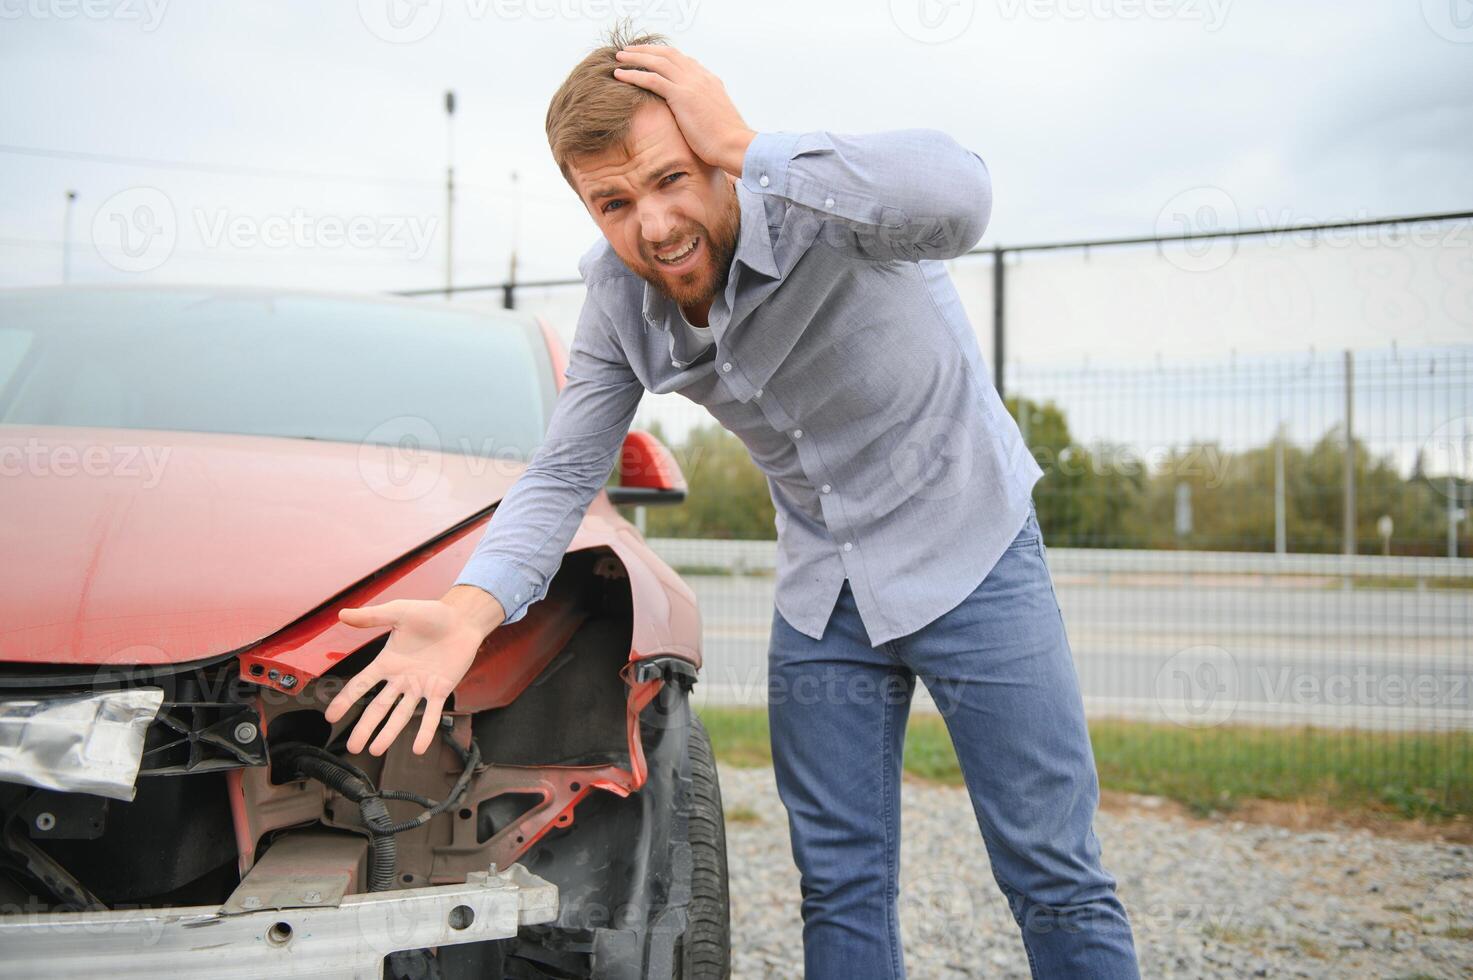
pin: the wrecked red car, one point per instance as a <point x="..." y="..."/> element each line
<point x="193" y="482"/>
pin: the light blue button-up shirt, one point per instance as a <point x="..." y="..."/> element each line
<point x="842" y="358"/>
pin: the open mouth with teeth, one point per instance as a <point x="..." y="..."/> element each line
<point x="681" y="255"/>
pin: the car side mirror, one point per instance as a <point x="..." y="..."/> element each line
<point x="648" y="473"/>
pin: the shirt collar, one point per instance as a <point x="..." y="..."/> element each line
<point x="754" y="241"/>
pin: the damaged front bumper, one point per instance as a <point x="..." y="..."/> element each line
<point x="348" y="940"/>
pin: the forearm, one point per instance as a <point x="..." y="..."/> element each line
<point x="912" y="194"/>
<point x="523" y="545"/>
<point x="477" y="605"/>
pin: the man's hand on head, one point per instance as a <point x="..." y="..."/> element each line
<point x="697" y="98"/>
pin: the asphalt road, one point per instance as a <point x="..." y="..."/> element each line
<point x="1394" y="658"/>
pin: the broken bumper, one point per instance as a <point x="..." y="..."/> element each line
<point x="349" y="940"/>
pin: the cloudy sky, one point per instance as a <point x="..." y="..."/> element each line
<point x="305" y="144"/>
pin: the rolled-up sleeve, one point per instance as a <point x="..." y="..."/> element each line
<point x="905" y="194"/>
<point x="523" y="545"/>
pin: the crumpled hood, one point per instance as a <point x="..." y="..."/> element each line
<point x="126" y="546"/>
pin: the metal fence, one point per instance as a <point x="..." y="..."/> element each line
<point x="1272" y="548"/>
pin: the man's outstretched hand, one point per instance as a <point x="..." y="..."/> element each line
<point x="431" y="645"/>
<point x="703" y="111"/>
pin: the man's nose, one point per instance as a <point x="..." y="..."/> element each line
<point x="657" y="222"/>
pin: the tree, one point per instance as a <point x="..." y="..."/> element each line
<point x="728" y="495"/>
<point x="1087" y="497"/>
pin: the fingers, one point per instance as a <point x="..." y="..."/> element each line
<point x="359" y="685"/>
<point x="384" y="614"/>
<point x="372" y="715"/>
<point x="403" y="711"/>
<point x="664" y="50"/>
<point x="428" y="724"/>
<point x="649" y="57"/>
<point x="658" y="84"/>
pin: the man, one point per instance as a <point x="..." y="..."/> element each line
<point x="792" y="284"/>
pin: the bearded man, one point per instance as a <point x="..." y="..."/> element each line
<point x="793" y="284"/>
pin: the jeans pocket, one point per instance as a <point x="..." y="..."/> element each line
<point x="1030" y="537"/>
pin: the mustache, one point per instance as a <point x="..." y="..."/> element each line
<point x="695" y="231"/>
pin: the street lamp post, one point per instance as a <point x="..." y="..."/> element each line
<point x="66" y="238"/>
<point x="449" y="192"/>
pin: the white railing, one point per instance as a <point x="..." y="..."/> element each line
<point x="740" y="557"/>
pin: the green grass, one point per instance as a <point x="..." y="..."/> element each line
<point x="1210" y="770"/>
<point x="742" y="814"/>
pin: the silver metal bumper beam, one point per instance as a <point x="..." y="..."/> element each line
<point x="346" y="941"/>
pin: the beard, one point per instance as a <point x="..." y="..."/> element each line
<point x="700" y="285"/>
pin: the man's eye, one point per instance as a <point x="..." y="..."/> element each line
<point x="670" y="178"/>
<point x="610" y="206"/>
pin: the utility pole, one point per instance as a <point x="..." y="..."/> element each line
<point x="66" y="238"/>
<point x="999" y="324"/>
<point x="449" y="192"/>
<point x="1281" y="531"/>
<point x="1452" y="516"/>
<point x="1349" y="453"/>
<point x="509" y="296"/>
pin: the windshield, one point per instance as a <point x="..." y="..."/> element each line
<point x="275" y="365"/>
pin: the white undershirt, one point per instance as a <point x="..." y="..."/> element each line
<point x="702" y="335"/>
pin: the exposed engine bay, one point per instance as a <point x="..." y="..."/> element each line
<point x="535" y="839"/>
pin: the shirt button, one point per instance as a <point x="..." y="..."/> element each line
<point x="763" y="180"/>
<point x="759" y="392"/>
<point x="828" y="202"/>
<point x="726" y="366"/>
<point x="519" y="597"/>
<point x="797" y="433"/>
<point x="848" y="545"/>
<point x="675" y="364"/>
<point x="825" y="488"/>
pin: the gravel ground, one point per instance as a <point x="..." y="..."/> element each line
<point x="1206" y="899"/>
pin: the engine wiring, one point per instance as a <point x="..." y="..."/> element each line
<point x="303" y="760"/>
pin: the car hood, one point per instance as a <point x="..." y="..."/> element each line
<point x="126" y="546"/>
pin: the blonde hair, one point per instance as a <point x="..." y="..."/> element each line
<point x="591" y="110"/>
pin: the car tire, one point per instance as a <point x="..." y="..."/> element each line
<point x="705" y="948"/>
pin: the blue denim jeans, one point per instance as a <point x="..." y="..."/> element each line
<point x="1001" y="673"/>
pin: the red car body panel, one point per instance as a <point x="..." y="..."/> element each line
<point x="215" y="558"/>
<point x="666" y="618"/>
<point x="240" y="536"/>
